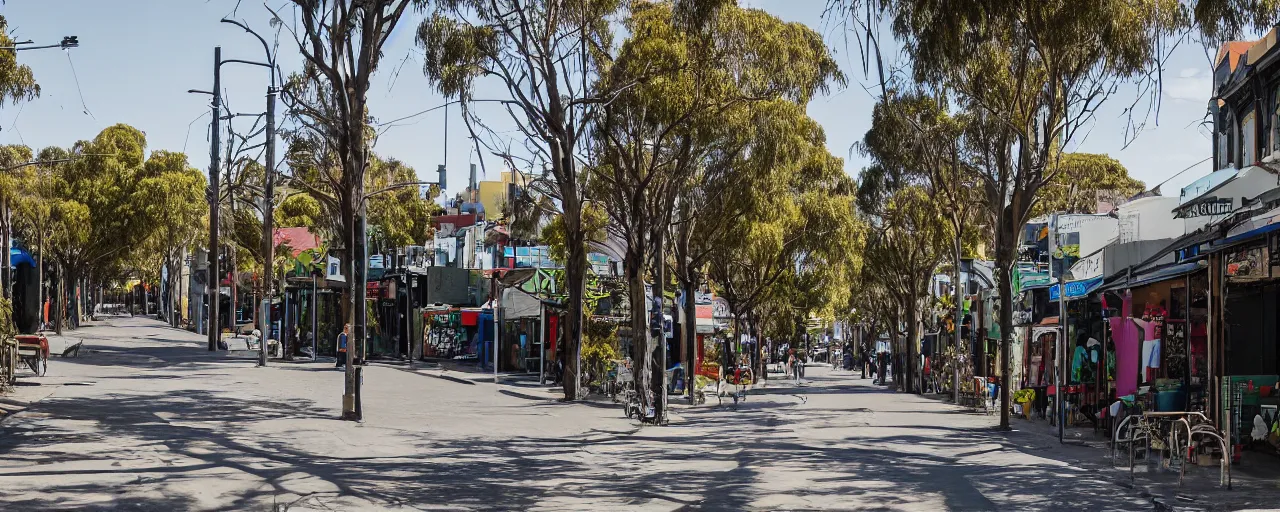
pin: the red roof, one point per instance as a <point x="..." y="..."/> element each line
<point x="1233" y="50"/>
<point x="298" y="239"/>
<point x="460" y="220"/>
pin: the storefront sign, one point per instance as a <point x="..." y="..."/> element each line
<point x="1087" y="268"/>
<point x="1208" y="207"/>
<point x="721" y="308"/>
<point x="1248" y="264"/>
<point x="1076" y="289"/>
<point x="1274" y="240"/>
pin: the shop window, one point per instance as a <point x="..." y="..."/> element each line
<point x="1274" y="117"/>
<point x="1251" y="330"/>
<point x="1227" y="145"/>
<point x="1247" y="140"/>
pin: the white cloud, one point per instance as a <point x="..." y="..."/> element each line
<point x="1191" y="85"/>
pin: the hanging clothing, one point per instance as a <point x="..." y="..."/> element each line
<point x="1079" y="370"/>
<point x="1150" y="359"/>
<point x="1127" y="355"/>
<point x="1095" y="350"/>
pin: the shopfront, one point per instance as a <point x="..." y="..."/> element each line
<point x="1157" y="337"/>
<point x="1250" y="363"/>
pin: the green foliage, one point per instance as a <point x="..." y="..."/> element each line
<point x="299" y="211"/>
<point x="798" y="243"/>
<point x="7" y="330"/>
<point x="401" y="214"/>
<point x="1220" y="21"/>
<point x="177" y="202"/>
<point x="105" y="177"/>
<point x="594" y="221"/>
<point x="1081" y="179"/>
<point x="397" y="214"/>
<point x="17" y="83"/>
<point x="599" y="347"/>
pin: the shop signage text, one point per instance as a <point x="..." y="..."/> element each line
<point x="1205" y="208"/>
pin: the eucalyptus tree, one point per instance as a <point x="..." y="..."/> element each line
<point x="685" y="89"/>
<point x="915" y="140"/>
<point x="341" y="43"/>
<point x="12" y="157"/>
<point x="1029" y="75"/>
<point x="177" y="208"/>
<point x="17" y="84"/>
<point x="544" y="56"/>
<point x="800" y="221"/>
<point x="907" y="241"/>
<point x="1084" y="179"/>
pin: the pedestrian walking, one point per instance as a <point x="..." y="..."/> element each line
<point x="792" y="363"/>
<point x="342" y="347"/>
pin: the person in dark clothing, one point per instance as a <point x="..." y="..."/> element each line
<point x="342" y="347"/>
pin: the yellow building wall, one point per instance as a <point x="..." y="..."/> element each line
<point x="493" y="195"/>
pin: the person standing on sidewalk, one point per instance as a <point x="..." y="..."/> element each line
<point x="342" y="347"/>
<point x="791" y="364"/>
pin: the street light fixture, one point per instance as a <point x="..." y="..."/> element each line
<point x="268" y="229"/>
<point x="214" y="165"/>
<point x="67" y="42"/>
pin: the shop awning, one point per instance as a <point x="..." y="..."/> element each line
<point x="1076" y="289"/>
<point x="20" y="257"/>
<point x="1255" y="226"/>
<point x="1215" y="201"/>
<point x="1155" y="276"/>
<point x="518" y="304"/>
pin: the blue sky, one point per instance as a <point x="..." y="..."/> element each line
<point x="139" y="57"/>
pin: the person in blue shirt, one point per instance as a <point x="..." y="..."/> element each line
<point x="342" y="347"/>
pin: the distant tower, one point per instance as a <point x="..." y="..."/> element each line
<point x="473" y="186"/>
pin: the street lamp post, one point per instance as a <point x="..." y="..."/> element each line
<point x="6" y="269"/>
<point x="268" y="228"/>
<point x="214" y="193"/>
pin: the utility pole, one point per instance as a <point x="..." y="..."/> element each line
<point x="268" y="239"/>
<point x="268" y="230"/>
<point x="1060" y="352"/>
<point x="213" y="294"/>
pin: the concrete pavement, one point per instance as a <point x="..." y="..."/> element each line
<point x="147" y="419"/>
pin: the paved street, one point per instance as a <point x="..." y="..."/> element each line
<point x="146" y="419"/>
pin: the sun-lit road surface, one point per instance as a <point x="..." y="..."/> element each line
<point x="146" y="419"/>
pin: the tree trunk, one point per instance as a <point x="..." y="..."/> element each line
<point x="689" y="334"/>
<point x="757" y="358"/>
<point x="659" y="299"/>
<point x="960" y="345"/>
<point x="6" y="266"/>
<point x="895" y="347"/>
<point x="639" y="324"/>
<point x="1004" y="262"/>
<point x="913" y="333"/>
<point x="348" y="254"/>
<point x="575" y="272"/>
<point x="61" y="301"/>
<point x="70" y="301"/>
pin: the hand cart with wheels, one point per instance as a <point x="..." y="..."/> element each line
<point x="33" y="350"/>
